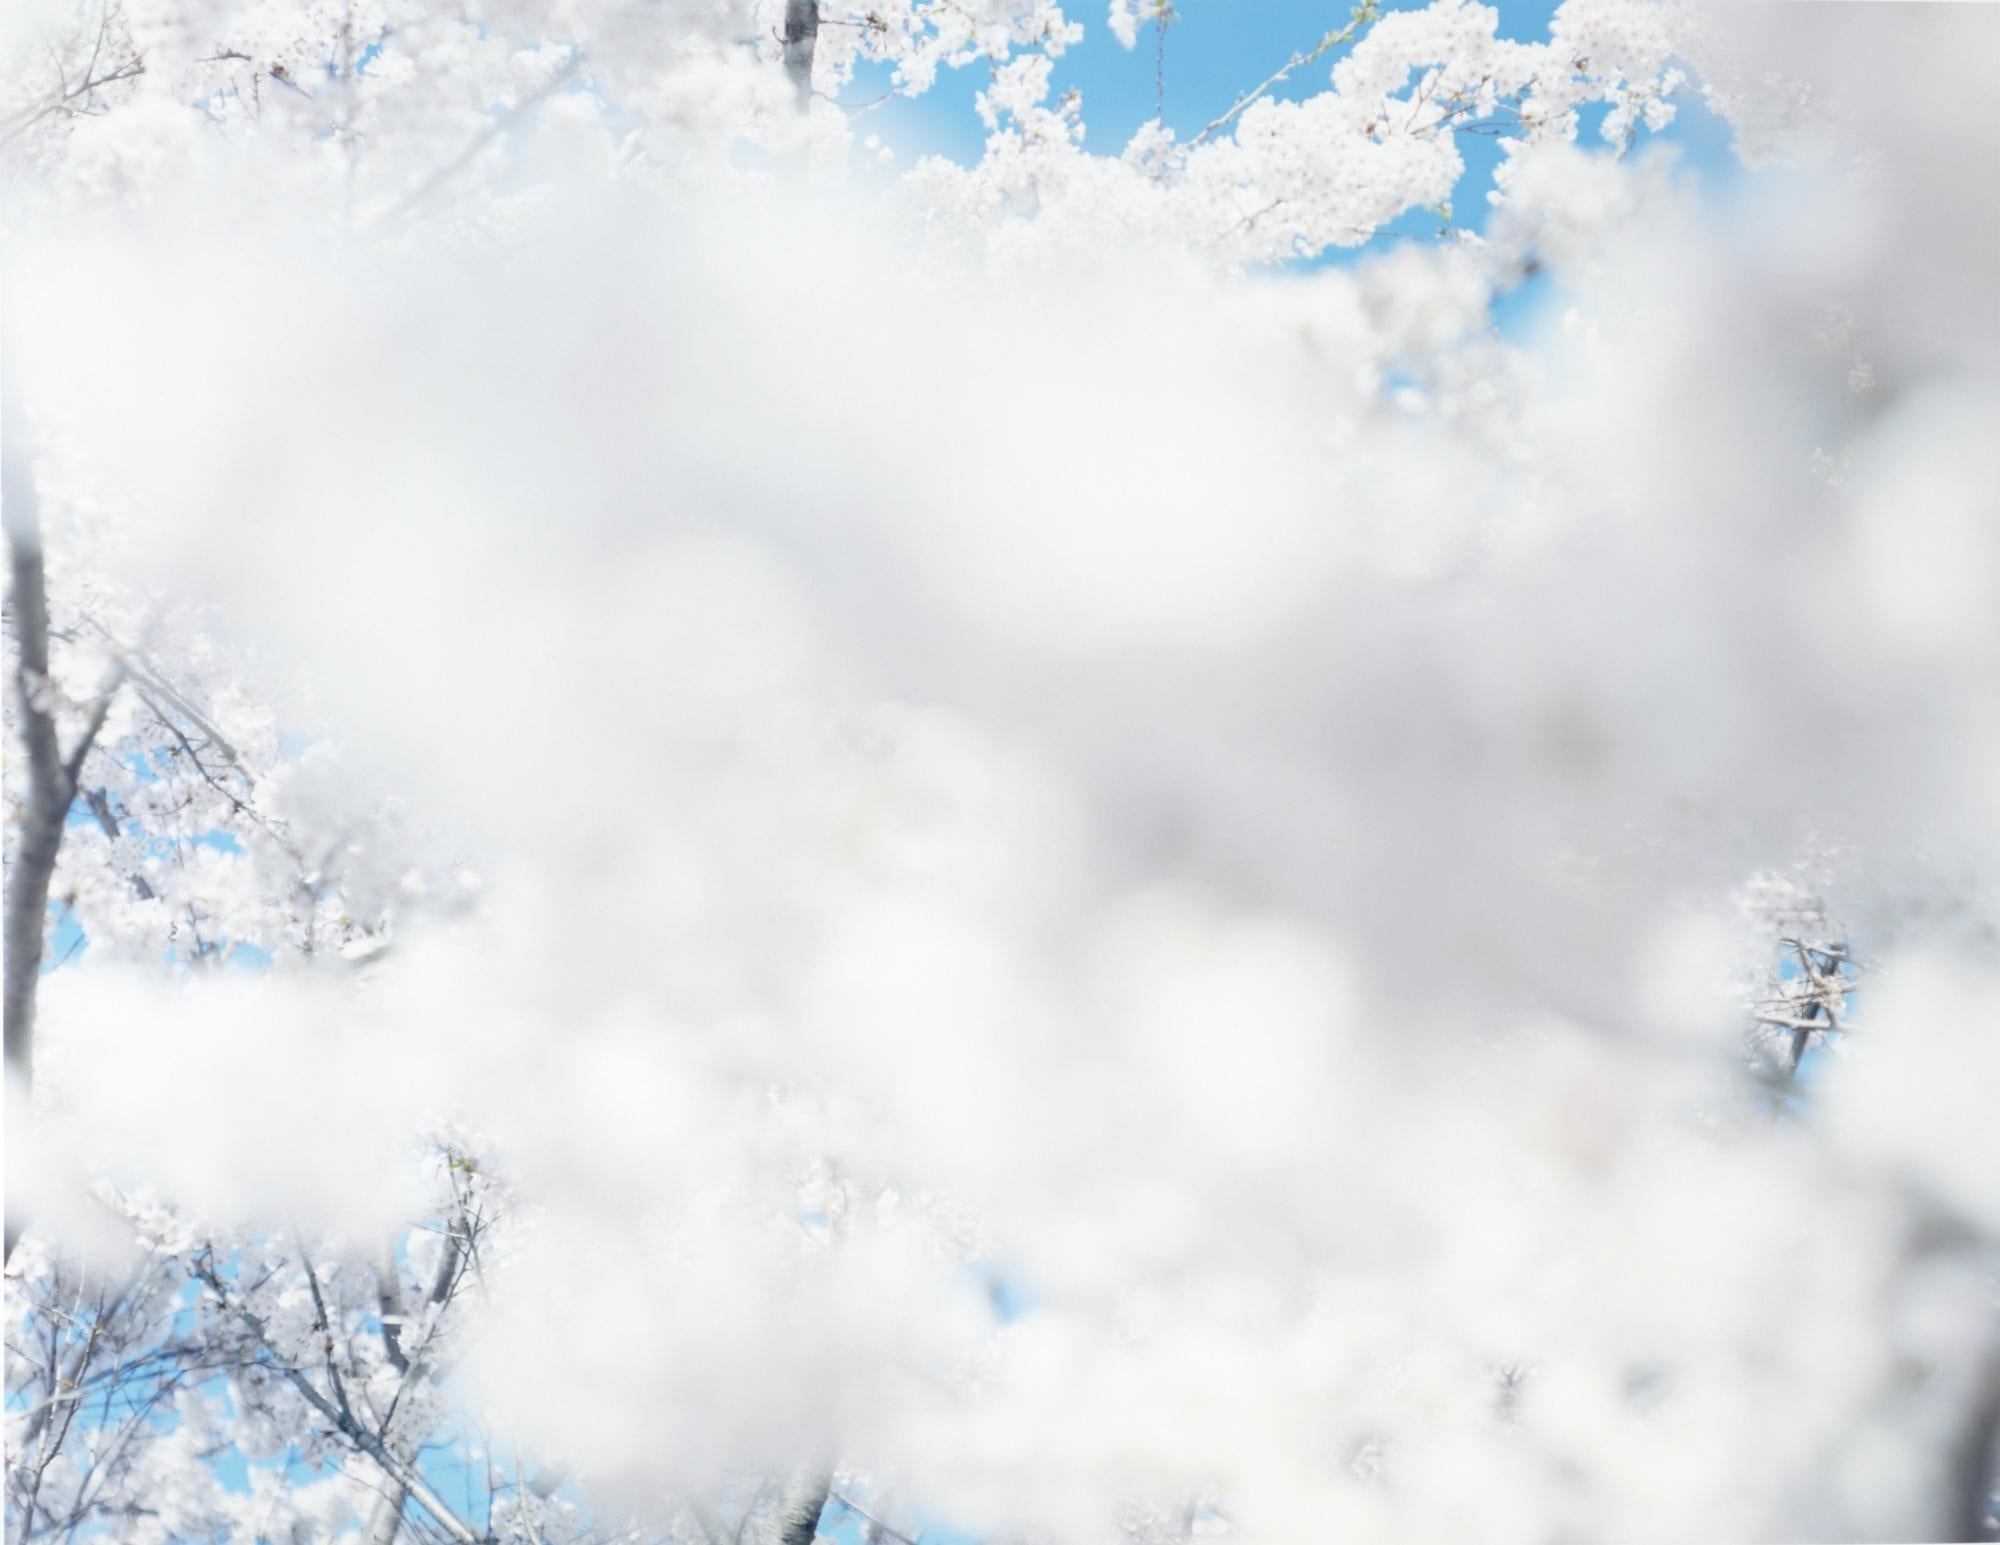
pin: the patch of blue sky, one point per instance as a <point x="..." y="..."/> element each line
<point x="236" y="1473"/>
<point x="1008" y="1291"/>
<point x="232" y="1470"/>
<point x="67" y="940"/>
<point x="464" y="1479"/>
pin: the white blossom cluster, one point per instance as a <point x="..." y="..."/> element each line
<point x="1290" y="178"/>
<point x="917" y="37"/>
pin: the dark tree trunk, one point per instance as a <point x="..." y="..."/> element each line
<point x="51" y="779"/>
<point x="801" y="37"/>
<point x="797" y="1522"/>
<point x="45" y="795"/>
<point x="45" y="791"/>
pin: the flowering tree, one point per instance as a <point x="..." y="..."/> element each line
<point x="709" y="842"/>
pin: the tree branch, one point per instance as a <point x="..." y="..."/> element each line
<point x="344" y="1423"/>
<point x="359" y="1435"/>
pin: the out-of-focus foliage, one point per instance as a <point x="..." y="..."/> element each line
<point x="953" y="846"/>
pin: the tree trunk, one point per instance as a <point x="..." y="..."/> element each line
<point x="797" y="1519"/>
<point x="1975" y="1462"/>
<point x="44" y="798"/>
<point x="801" y="37"/>
<point x="46" y="794"/>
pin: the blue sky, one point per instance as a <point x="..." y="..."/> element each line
<point x="1216" y="50"/>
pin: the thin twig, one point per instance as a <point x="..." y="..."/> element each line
<point x="1363" y="16"/>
